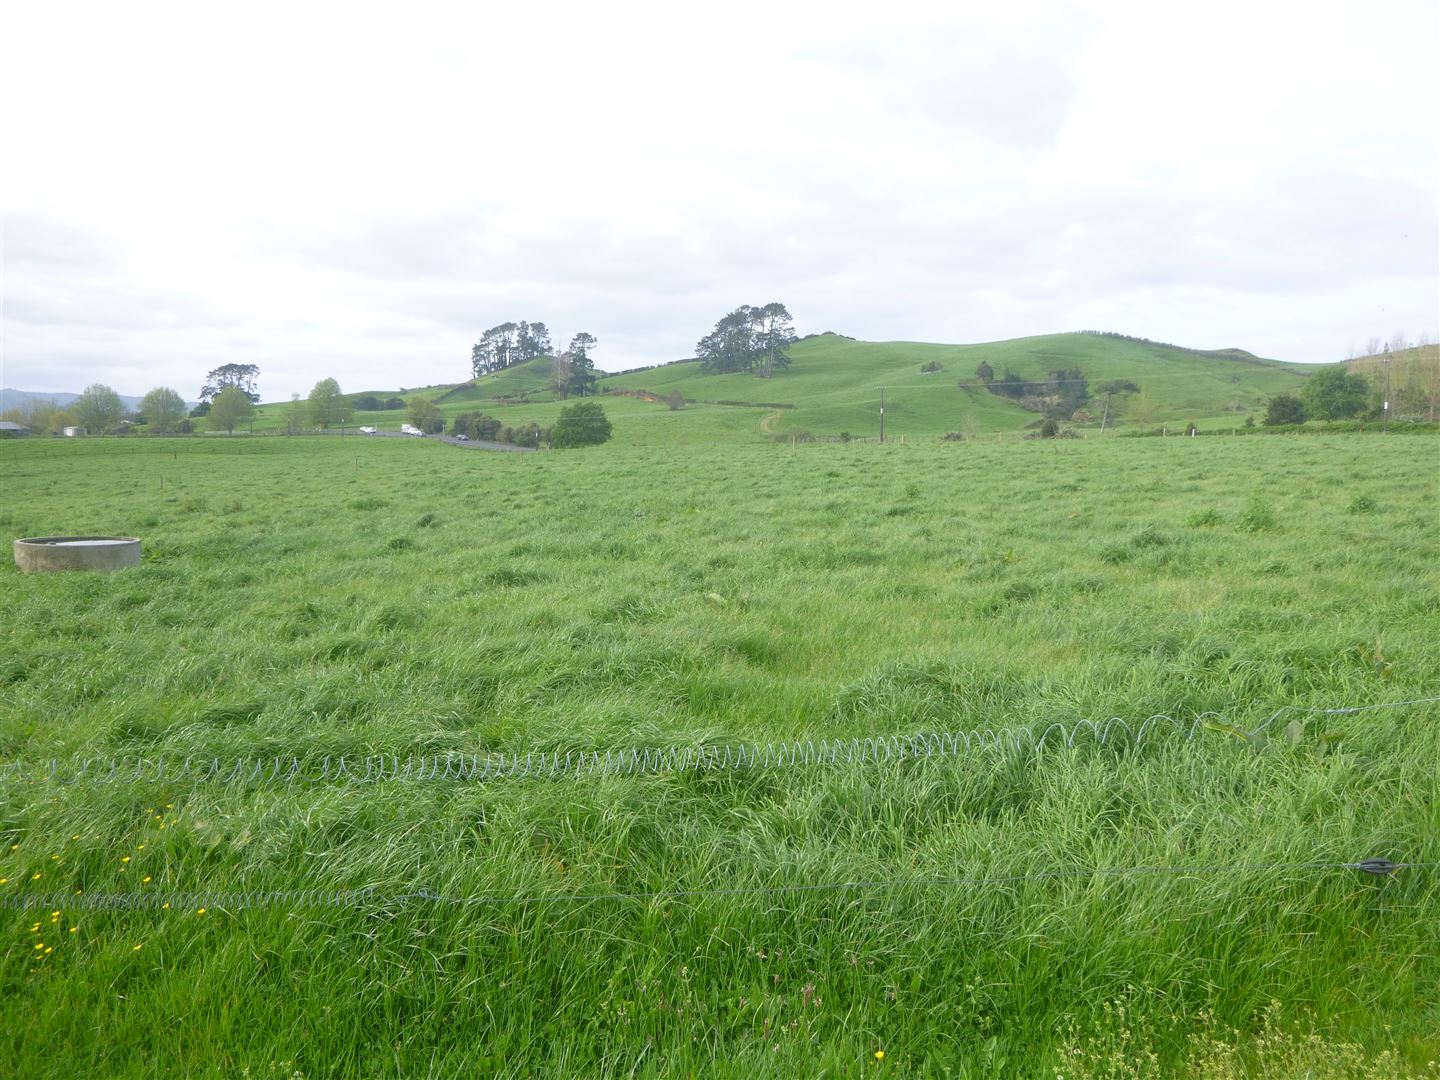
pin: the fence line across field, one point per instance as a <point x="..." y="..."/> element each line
<point x="376" y="899"/>
<point x="455" y="766"/>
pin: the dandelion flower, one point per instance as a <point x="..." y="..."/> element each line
<point x="879" y="1055"/>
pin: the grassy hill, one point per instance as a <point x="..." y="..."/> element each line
<point x="834" y="385"/>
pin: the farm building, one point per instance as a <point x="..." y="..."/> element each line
<point x="72" y="432"/>
<point x="11" y="430"/>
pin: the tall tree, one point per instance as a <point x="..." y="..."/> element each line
<point x="163" y="409"/>
<point x="328" y="406"/>
<point x="240" y="376"/>
<point x="231" y="408"/>
<point x="730" y="347"/>
<point x="98" y="408"/>
<point x="774" y="333"/>
<point x="582" y="367"/>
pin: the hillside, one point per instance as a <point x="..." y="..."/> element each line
<point x="834" y="384"/>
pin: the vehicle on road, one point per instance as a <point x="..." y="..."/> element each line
<point x="368" y="430"/>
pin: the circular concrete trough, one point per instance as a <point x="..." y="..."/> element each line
<point x="47" y="554"/>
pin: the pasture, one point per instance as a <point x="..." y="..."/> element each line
<point x="1168" y="908"/>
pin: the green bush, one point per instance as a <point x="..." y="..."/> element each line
<point x="581" y="424"/>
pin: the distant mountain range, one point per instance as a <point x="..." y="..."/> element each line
<point x="13" y="399"/>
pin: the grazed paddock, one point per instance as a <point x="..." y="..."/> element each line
<point x="314" y="597"/>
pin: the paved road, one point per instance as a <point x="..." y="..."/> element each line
<point x="473" y="444"/>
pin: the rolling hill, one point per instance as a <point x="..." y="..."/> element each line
<point x="834" y="384"/>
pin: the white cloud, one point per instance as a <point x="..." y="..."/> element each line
<point x="358" y="191"/>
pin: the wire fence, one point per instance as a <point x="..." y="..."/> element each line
<point x="377" y="899"/>
<point x="453" y="766"/>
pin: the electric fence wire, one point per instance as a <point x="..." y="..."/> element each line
<point x="376" y="899"/>
<point x="637" y="761"/>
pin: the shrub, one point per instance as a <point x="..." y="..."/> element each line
<point x="952" y="436"/>
<point x="1284" y="409"/>
<point x="931" y="367"/>
<point x="581" y="424"/>
<point x="676" y="401"/>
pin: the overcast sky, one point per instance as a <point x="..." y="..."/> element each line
<point x="359" y="190"/>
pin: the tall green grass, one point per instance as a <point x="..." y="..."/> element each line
<point x="320" y="596"/>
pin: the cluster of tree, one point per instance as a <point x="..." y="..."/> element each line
<point x="100" y="411"/>
<point x="755" y="340"/>
<point x="372" y="403"/>
<point x="1058" y="395"/>
<point x="507" y="344"/>
<point x="1329" y="394"/>
<point x="513" y="343"/>
<point x="581" y="424"/>
<point x="240" y="376"/>
<point x="424" y="414"/>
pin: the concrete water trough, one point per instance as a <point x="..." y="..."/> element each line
<point x="47" y="554"/>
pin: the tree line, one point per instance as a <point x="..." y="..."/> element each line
<point x="753" y="340"/>
<point x="512" y="343"/>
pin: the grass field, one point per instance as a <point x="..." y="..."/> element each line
<point x="315" y="596"/>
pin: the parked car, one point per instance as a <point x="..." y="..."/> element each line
<point x="463" y="438"/>
<point x="368" y="430"/>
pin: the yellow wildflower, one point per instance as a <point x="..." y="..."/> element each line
<point x="137" y="948"/>
<point x="879" y="1055"/>
<point x="74" y="929"/>
<point x="35" y="876"/>
<point x="125" y="859"/>
<point x="200" y="912"/>
<point x="145" y="878"/>
<point x="39" y="944"/>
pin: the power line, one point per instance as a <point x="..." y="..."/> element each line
<point x="455" y="766"/>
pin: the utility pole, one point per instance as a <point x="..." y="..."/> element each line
<point x="882" y="414"/>
<point x="1105" y="415"/>
<point x="1386" y="409"/>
